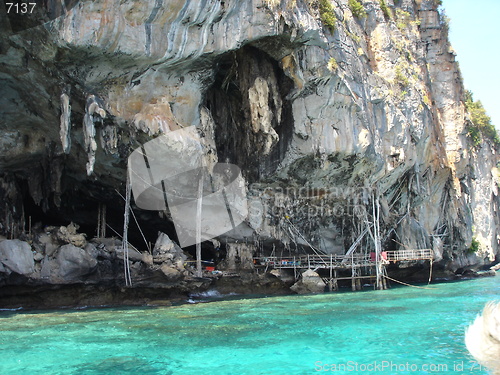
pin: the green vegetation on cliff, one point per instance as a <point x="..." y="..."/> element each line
<point x="474" y="246"/>
<point x="357" y="9"/>
<point x="481" y="126"/>
<point x="332" y="64"/>
<point x="385" y="9"/>
<point x="327" y="14"/>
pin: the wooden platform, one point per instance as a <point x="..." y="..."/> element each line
<point x="356" y="263"/>
<point x="316" y="262"/>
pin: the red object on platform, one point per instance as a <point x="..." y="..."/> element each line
<point x="383" y="255"/>
<point x="210" y="268"/>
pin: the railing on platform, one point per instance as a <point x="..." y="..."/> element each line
<point x="315" y="261"/>
<point x="340" y="261"/>
<point x="416" y="254"/>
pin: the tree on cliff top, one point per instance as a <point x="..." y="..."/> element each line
<point x="481" y="126"/>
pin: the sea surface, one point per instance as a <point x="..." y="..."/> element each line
<point x="403" y="330"/>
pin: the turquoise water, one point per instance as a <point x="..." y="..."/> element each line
<point x="399" y="331"/>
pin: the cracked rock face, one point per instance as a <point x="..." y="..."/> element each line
<point x="16" y="256"/>
<point x="317" y="142"/>
<point x="74" y="262"/>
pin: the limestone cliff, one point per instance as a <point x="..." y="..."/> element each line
<point x="322" y="121"/>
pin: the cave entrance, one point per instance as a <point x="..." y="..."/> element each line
<point x="79" y="203"/>
<point x="252" y="114"/>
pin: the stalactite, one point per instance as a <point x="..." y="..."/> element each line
<point x="109" y="139"/>
<point x="92" y="113"/>
<point x="65" y="132"/>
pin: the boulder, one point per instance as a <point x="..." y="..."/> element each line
<point x="69" y="235"/>
<point x="17" y="256"/>
<point x="44" y="238"/>
<point x="97" y="250"/>
<point x="133" y="254"/>
<point x="48" y="265"/>
<point x="283" y="275"/>
<point x="171" y="272"/>
<point x="166" y="250"/>
<point x="74" y="262"/>
<point x="49" y="243"/>
<point x="496" y="267"/>
<point x="148" y="259"/>
<point x="38" y="257"/>
<point x="109" y="244"/>
<point x="93" y="251"/>
<point x="310" y="282"/>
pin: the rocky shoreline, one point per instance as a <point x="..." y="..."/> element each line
<point x="80" y="295"/>
<point x="58" y="267"/>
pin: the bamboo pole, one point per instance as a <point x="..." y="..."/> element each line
<point x="103" y="221"/>
<point x="199" y="206"/>
<point x="99" y="220"/>
<point x="331" y="265"/>
<point x="353" y="274"/>
<point x="335" y="281"/>
<point x="148" y="244"/>
<point x="126" y="217"/>
<point x="430" y="271"/>
<point x="378" y="283"/>
<point x="23" y="220"/>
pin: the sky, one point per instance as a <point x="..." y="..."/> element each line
<point x="475" y="37"/>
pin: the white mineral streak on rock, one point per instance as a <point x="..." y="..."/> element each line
<point x="65" y="132"/>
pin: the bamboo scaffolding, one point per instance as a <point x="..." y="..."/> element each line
<point x="126" y="216"/>
<point x="148" y="244"/>
<point x="101" y="220"/>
